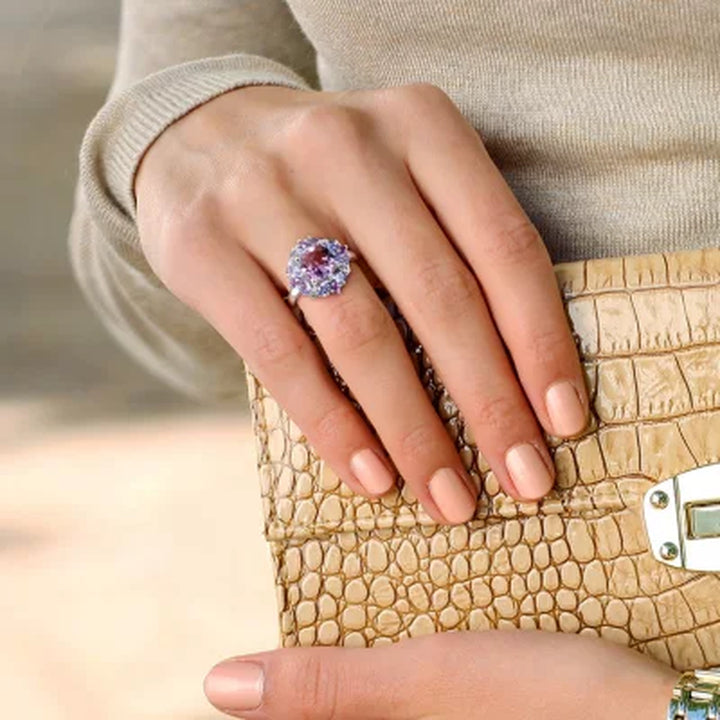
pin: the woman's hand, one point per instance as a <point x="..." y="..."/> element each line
<point x="401" y="177"/>
<point x="490" y="674"/>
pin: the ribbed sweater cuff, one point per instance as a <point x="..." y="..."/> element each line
<point x="126" y="126"/>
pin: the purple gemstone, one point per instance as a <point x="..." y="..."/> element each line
<point x="318" y="267"/>
<point x="314" y="259"/>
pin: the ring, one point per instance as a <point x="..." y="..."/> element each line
<point x="318" y="267"/>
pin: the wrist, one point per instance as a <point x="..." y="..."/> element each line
<point x="120" y="134"/>
<point x="209" y="124"/>
<point x="667" y="683"/>
<point x="641" y="693"/>
<point x="654" y="702"/>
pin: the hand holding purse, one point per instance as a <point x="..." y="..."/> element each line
<point x="356" y="572"/>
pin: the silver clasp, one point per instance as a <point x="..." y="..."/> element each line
<point x="682" y="519"/>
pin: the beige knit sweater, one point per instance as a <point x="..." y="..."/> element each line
<point x="603" y="116"/>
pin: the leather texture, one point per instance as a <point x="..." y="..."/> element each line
<point x="356" y="572"/>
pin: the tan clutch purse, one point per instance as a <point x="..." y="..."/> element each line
<point x="609" y="552"/>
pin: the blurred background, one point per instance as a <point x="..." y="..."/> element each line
<point x="131" y="548"/>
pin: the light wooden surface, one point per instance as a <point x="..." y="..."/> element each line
<point x="131" y="554"/>
<point x="131" y="560"/>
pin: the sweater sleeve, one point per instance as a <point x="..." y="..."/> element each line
<point x="174" y="55"/>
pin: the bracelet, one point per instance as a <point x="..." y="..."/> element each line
<point x="696" y="696"/>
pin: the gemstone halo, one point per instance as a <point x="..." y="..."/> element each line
<point x="318" y="267"/>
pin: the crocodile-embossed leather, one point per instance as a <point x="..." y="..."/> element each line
<point x="357" y="572"/>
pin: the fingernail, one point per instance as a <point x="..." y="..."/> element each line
<point x="371" y="472"/>
<point x="235" y="685"/>
<point x="528" y="471"/>
<point x="567" y="413"/>
<point x="452" y="496"/>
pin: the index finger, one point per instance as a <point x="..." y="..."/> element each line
<point x="482" y="217"/>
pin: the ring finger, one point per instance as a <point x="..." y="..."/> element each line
<point x="363" y="343"/>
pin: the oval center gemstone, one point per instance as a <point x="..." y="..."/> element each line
<point x="315" y="258"/>
<point x="318" y="266"/>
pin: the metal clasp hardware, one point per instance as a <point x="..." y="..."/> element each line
<point x="682" y="519"/>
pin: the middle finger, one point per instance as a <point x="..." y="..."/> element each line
<point x="443" y="302"/>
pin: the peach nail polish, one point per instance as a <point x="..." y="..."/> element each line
<point x="452" y="496"/>
<point x="235" y="685"/>
<point x="567" y="413"/>
<point x="528" y="471"/>
<point x="371" y="472"/>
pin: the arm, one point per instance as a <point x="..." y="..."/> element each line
<point x="225" y="189"/>
<point x="173" y="57"/>
<point x="487" y="674"/>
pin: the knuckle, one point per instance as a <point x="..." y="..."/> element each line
<point x="272" y="346"/>
<point x="496" y="414"/>
<point x="331" y="426"/>
<point x="417" y="98"/>
<point x="445" y="290"/>
<point x="414" y="97"/>
<point x="424" y="92"/>
<point x="547" y="347"/>
<point x="418" y="442"/>
<point x="405" y="104"/>
<point x="318" y="693"/>
<point x="316" y="129"/>
<point x="516" y="241"/>
<point x="355" y="325"/>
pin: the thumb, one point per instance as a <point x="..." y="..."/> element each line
<point x="381" y="683"/>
